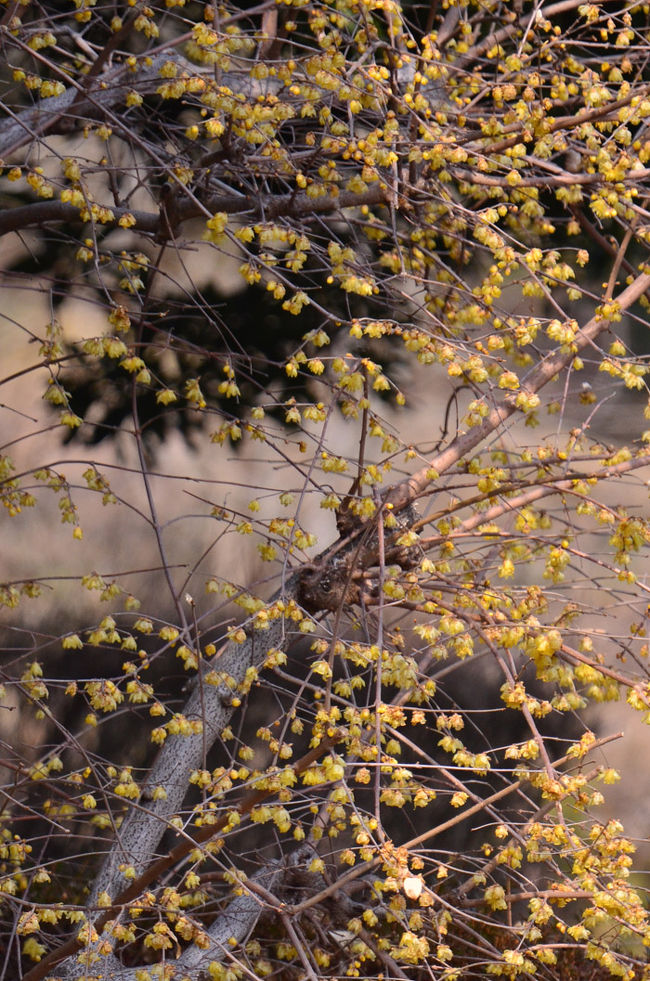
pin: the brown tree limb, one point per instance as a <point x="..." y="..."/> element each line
<point x="406" y="492"/>
<point x="271" y="206"/>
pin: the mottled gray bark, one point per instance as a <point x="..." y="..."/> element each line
<point x="142" y="830"/>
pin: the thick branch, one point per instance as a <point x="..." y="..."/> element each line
<point x="270" y="206"/>
<point x="139" y="836"/>
<point x="235" y="923"/>
<point x="55" y="114"/>
<point x="144" y="827"/>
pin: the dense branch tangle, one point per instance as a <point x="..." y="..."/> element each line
<point x="417" y="190"/>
